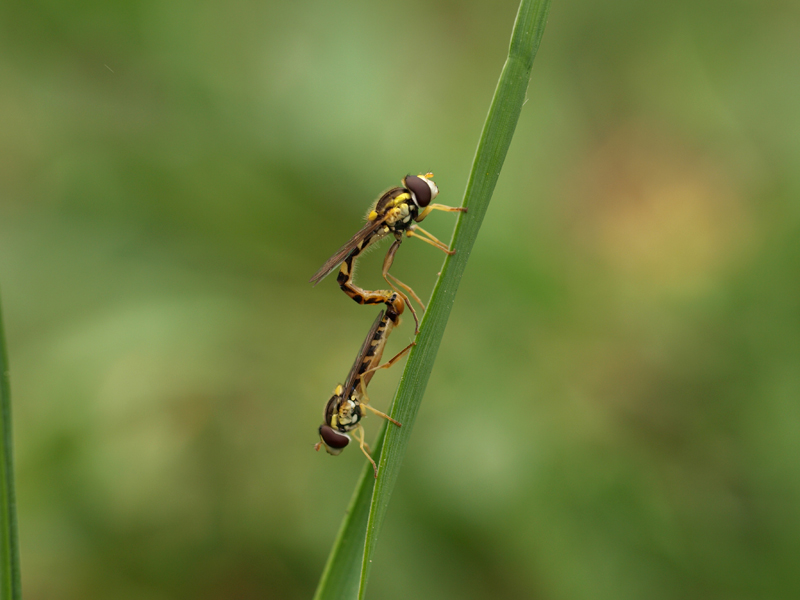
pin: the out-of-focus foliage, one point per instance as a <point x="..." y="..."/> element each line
<point x="614" y="410"/>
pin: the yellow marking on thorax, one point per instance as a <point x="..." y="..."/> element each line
<point x="393" y="215"/>
<point x="405" y="196"/>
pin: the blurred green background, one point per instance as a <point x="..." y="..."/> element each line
<point x="614" y="411"/>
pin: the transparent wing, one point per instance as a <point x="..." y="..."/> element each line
<point x="362" y="353"/>
<point x="334" y="261"/>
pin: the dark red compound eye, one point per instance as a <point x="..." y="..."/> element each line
<point x="332" y="438"/>
<point x="421" y="189"/>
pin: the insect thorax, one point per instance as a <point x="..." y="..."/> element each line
<point x="345" y="414"/>
<point x="398" y="209"/>
<point x="401" y="217"/>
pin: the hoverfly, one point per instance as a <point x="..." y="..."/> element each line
<point x="396" y="211"/>
<point x="349" y="402"/>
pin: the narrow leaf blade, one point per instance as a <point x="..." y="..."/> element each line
<point x="495" y="140"/>
<point x="9" y="544"/>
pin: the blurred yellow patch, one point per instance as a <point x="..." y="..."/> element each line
<point x="660" y="212"/>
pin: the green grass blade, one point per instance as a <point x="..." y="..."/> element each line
<point x="9" y="546"/>
<point x="342" y="572"/>
<point x="346" y="572"/>
<point x="491" y="153"/>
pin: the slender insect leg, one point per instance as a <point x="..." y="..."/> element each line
<point x="358" y="433"/>
<point x="411" y="232"/>
<point x="387" y="264"/>
<point x="392" y="360"/>
<point x="431" y="207"/>
<point x="382" y="415"/>
<point x="394" y="281"/>
<point x="365" y="404"/>
<point x="430" y="236"/>
<point x="364" y="448"/>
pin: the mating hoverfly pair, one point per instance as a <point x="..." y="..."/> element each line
<point x="398" y="212"/>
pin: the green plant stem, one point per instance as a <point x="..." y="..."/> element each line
<point x="492" y="149"/>
<point x="357" y="528"/>
<point x="341" y="575"/>
<point x="9" y="544"/>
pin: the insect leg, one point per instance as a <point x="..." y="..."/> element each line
<point x="364" y="448"/>
<point x="387" y="264"/>
<point x="431" y="207"/>
<point x="382" y="415"/>
<point x="392" y="360"/>
<point x="364" y="400"/>
<point x="429" y="238"/>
